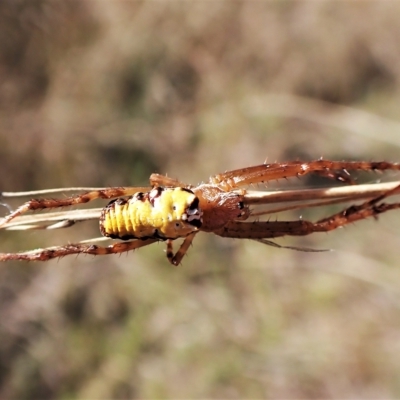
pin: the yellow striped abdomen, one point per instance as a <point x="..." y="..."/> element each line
<point x="161" y="214"/>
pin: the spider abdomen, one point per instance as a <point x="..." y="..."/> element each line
<point x="167" y="213"/>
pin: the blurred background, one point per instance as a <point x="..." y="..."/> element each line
<point x="103" y="93"/>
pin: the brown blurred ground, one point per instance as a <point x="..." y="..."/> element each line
<point x="102" y="93"/>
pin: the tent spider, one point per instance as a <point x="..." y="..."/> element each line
<point x="170" y="210"/>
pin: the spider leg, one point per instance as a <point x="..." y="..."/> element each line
<point x="267" y="172"/>
<point x="40" y="204"/>
<point x="177" y="258"/>
<point x="273" y="229"/>
<point x="162" y="180"/>
<point x="304" y="249"/>
<point x="61" y="251"/>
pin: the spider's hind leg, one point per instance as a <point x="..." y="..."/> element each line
<point x="41" y="204"/>
<point x="162" y="180"/>
<point x="78" y="248"/>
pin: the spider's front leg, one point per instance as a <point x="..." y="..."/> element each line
<point x="272" y="229"/>
<point x="40" y="204"/>
<point x="268" y="172"/>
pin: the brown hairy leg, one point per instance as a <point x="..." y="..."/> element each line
<point x="267" y="172"/>
<point x="177" y="258"/>
<point x="78" y="248"/>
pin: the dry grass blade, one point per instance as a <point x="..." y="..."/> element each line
<point x="46" y="192"/>
<point x="52" y="219"/>
<point x="347" y="193"/>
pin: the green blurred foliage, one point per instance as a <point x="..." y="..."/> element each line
<point x="103" y="93"/>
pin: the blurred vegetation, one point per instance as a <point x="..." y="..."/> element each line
<point x="103" y="93"/>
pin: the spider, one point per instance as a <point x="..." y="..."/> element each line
<point x="171" y="209"/>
